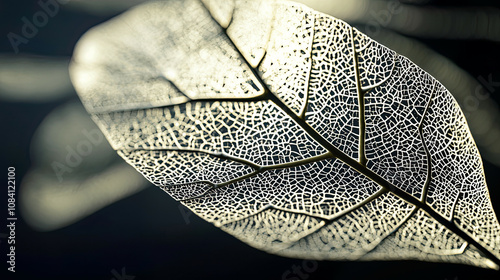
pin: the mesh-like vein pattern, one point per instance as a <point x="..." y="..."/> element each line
<point x="322" y="189"/>
<point x="425" y="234"/>
<point x="333" y="108"/>
<point x="375" y="62"/>
<point x="165" y="168"/>
<point x="256" y="115"/>
<point x="355" y="234"/>
<point x="394" y="110"/>
<point x="258" y="132"/>
<point x="455" y="162"/>
<point x="422" y="238"/>
<point x="458" y="188"/>
<point x="187" y="191"/>
<point x="289" y="52"/>
<point x="272" y="229"/>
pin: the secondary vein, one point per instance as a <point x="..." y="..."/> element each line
<point x="362" y="169"/>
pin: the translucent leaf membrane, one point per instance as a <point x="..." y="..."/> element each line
<point x="258" y="132"/>
<point x="290" y="130"/>
<point x="482" y="116"/>
<point x="324" y="189"/>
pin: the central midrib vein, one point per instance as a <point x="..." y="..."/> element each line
<point x="362" y="169"/>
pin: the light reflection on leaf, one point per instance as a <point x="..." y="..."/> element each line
<point x="356" y="152"/>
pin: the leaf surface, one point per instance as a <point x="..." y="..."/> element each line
<point x="290" y="130"/>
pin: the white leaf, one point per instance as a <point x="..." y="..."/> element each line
<point x="290" y="130"/>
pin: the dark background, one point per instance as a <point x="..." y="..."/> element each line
<point x="146" y="233"/>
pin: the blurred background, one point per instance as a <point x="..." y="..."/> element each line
<point x="85" y="214"/>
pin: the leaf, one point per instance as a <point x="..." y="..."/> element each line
<point x="483" y="116"/>
<point x="378" y="17"/>
<point x="416" y="19"/>
<point x="290" y="130"/>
